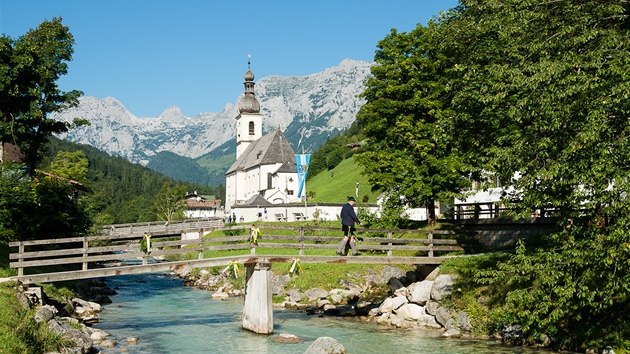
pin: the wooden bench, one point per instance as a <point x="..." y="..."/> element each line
<point x="280" y="217"/>
<point x="299" y="216"/>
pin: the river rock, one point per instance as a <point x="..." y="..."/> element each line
<point x="463" y="322"/>
<point x="132" y="340"/>
<point x="389" y="272"/>
<point x="432" y="307"/>
<point x="108" y="343"/>
<point x="442" y="286"/>
<point x="278" y="282"/>
<point x="402" y="292"/>
<point x="287" y="338"/>
<point x="45" y="313"/>
<point x="293" y="295"/>
<point x="451" y="333"/>
<point x="428" y="321"/>
<point x="443" y="315"/>
<point x="410" y="312"/>
<point x="81" y="340"/>
<point x="392" y="303"/>
<point x="220" y="295"/>
<point x="326" y="345"/>
<point x="89" y="305"/>
<point x="315" y="294"/>
<point x="420" y="292"/>
<point x="98" y="336"/>
<point x="373" y="280"/>
<point x="394" y="284"/>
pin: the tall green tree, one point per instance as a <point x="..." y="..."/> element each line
<point x="411" y="156"/>
<point x="70" y="165"/>
<point x="169" y="202"/>
<point x="539" y="94"/>
<point x="29" y="69"/>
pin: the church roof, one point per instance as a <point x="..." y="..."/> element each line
<point x="257" y="200"/>
<point x="270" y="149"/>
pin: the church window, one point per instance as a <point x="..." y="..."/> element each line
<point x="251" y="128"/>
<point x="269" y="181"/>
<point x="290" y="192"/>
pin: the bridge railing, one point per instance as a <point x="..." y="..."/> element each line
<point x="161" y="226"/>
<point x="277" y="243"/>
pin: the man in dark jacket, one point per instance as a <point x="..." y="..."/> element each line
<point x="348" y="218"/>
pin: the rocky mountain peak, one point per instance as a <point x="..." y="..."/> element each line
<point x="307" y="108"/>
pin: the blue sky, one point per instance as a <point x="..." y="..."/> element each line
<point x="153" y="54"/>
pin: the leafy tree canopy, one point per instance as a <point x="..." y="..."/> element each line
<point x="536" y="92"/>
<point x="29" y="69"/>
<point x="411" y="156"/>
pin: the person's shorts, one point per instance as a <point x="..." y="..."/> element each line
<point x="348" y="228"/>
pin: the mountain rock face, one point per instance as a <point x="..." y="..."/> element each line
<point x="308" y="109"/>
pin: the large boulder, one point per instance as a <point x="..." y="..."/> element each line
<point x="392" y="303"/>
<point x="410" y="312"/>
<point x="443" y="315"/>
<point x="442" y="286"/>
<point x="420" y="292"/>
<point x="315" y="294"/>
<point x="389" y="272"/>
<point x="428" y="321"/>
<point x="326" y="345"/>
<point x="81" y="340"/>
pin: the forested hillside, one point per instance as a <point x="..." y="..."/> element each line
<point x="119" y="191"/>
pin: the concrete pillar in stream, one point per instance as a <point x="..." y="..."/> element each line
<point x="258" y="310"/>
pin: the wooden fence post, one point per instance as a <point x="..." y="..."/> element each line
<point x="301" y="250"/>
<point x="389" y="237"/>
<point x="200" y="249"/>
<point x="430" y="237"/>
<point x="21" y="260"/>
<point x="85" y="253"/>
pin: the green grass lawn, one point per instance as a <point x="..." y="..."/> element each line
<point x="335" y="185"/>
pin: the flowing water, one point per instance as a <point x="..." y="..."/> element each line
<point x="169" y="317"/>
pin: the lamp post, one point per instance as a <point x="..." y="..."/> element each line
<point x="356" y="190"/>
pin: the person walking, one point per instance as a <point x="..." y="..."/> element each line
<point x="348" y="219"/>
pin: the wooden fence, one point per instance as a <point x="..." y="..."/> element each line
<point x="118" y="252"/>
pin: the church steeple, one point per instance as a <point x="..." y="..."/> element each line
<point x="249" y="103"/>
<point x="249" y="120"/>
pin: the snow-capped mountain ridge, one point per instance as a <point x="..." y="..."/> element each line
<point x="307" y="108"/>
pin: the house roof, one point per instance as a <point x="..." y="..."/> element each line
<point x="270" y="149"/>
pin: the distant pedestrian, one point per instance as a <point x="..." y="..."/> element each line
<point x="234" y="217"/>
<point x="348" y="219"/>
<point x="260" y="212"/>
<point x="265" y="211"/>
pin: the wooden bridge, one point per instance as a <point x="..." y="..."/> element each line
<point x="207" y="243"/>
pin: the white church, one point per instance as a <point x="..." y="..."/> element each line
<point x="264" y="173"/>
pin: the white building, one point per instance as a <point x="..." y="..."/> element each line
<point x="201" y="206"/>
<point x="264" y="172"/>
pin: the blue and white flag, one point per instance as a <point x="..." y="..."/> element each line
<point x="302" y="162"/>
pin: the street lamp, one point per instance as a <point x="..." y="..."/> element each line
<point x="356" y="190"/>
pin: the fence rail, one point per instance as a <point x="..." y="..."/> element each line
<point x="110" y="254"/>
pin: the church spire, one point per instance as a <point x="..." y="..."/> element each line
<point x="249" y="103"/>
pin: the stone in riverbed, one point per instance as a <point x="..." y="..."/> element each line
<point x="287" y="338"/>
<point x="326" y="345"/>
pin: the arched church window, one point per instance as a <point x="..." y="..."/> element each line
<point x="251" y="128"/>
